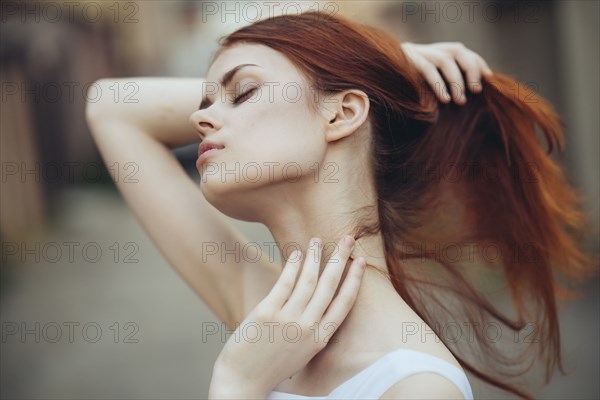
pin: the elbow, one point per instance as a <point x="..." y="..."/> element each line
<point x="96" y="106"/>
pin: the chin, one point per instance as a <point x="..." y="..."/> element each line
<point x="214" y="188"/>
<point x="230" y="198"/>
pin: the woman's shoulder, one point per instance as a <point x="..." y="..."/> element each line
<point x="416" y="350"/>
<point x="399" y="352"/>
<point x="405" y="330"/>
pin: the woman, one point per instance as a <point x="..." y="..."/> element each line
<point x="316" y="126"/>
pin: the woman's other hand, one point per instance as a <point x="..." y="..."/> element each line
<point x="448" y="58"/>
<point x="290" y="325"/>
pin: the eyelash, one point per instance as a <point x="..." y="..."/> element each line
<point x="243" y="96"/>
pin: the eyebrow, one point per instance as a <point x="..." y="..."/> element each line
<point x="227" y="78"/>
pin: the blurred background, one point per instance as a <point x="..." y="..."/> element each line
<point x="89" y="308"/>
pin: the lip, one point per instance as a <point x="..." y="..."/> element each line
<point x="208" y="145"/>
<point x="207" y="149"/>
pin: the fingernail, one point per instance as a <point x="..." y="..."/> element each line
<point x="349" y="241"/>
<point x="294" y="255"/>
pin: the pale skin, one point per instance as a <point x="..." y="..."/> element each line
<point x="180" y="217"/>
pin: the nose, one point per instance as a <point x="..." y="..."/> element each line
<point x="204" y="123"/>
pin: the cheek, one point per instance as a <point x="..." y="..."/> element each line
<point x="282" y="131"/>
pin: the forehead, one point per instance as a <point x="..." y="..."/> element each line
<point x="251" y="53"/>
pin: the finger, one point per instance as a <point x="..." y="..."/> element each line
<point x="329" y="280"/>
<point x="435" y="80"/>
<point x="472" y="69"/>
<point x="459" y="49"/>
<point x="282" y="289"/>
<point x="453" y="76"/>
<point x="408" y="48"/>
<point x="308" y="278"/>
<point x="343" y="302"/>
<point x="487" y="71"/>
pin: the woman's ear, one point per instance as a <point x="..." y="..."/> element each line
<point x="348" y="110"/>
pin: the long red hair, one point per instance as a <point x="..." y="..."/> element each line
<point x="473" y="177"/>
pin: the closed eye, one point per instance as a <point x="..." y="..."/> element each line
<point x="244" y="96"/>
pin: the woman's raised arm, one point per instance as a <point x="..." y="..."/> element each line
<point x="134" y="134"/>
<point x="160" y="107"/>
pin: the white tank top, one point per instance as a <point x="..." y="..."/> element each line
<point x="373" y="381"/>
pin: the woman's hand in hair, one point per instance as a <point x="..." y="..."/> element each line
<point x="448" y="59"/>
<point x="290" y="325"/>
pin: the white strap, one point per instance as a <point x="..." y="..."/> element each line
<point x="375" y="380"/>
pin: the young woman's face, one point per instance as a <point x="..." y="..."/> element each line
<point x="271" y="135"/>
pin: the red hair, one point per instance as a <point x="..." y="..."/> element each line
<point x="514" y="196"/>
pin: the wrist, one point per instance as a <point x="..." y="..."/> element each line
<point x="227" y="384"/>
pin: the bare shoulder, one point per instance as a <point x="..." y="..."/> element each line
<point x="416" y="335"/>
<point x="424" y="385"/>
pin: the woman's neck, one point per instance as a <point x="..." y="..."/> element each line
<point x="295" y="213"/>
<point x="297" y="226"/>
